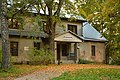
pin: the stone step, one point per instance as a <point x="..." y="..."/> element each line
<point x="68" y="62"/>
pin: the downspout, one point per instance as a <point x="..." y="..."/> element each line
<point x="107" y="53"/>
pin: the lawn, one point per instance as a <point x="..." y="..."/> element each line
<point x="19" y="70"/>
<point x="91" y="74"/>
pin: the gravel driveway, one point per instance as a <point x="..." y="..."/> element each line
<point x="57" y="70"/>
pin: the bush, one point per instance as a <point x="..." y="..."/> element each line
<point x="81" y="61"/>
<point x="115" y="59"/>
<point x="42" y="56"/>
<point x="114" y="62"/>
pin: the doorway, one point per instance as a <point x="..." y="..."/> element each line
<point x="58" y="52"/>
<point x="66" y="51"/>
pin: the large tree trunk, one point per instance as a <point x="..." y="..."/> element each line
<point x="51" y="25"/>
<point x="4" y="36"/>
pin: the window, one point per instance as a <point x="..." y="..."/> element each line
<point x="44" y="25"/>
<point x="93" y="50"/>
<point x="72" y="28"/>
<point x="37" y="45"/>
<point x="14" y="48"/>
<point x="14" y="23"/>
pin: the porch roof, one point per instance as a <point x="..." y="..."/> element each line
<point x="14" y="32"/>
<point x="68" y="37"/>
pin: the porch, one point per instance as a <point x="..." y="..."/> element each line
<point x="66" y="52"/>
<point x="66" y="48"/>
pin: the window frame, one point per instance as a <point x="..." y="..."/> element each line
<point x="44" y="24"/>
<point x="14" y="49"/>
<point x="73" y="27"/>
<point x="15" y="23"/>
<point x="93" y="50"/>
<point x="35" y="44"/>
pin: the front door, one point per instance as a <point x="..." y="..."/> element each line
<point x="58" y="52"/>
<point x="64" y="51"/>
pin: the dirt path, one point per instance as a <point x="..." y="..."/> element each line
<point x="55" y="70"/>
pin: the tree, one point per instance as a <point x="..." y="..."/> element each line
<point x="4" y="35"/>
<point x="104" y="15"/>
<point x="51" y="10"/>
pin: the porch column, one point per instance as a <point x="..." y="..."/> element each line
<point x="55" y="52"/>
<point x="77" y="51"/>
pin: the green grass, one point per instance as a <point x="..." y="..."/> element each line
<point x="10" y="72"/>
<point x="18" y="70"/>
<point x="91" y="74"/>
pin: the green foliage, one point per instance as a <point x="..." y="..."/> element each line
<point x="42" y="56"/>
<point x="9" y="72"/>
<point x="104" y="16"/>
<point x="18" y="70"/>
<point x="115" y="59"/>
<point x="50" y="9"/>
<point x="91" y="74"/>
<point x="81" y="61"/>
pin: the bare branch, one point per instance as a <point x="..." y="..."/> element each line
<point x="23" y="7"/>
<point x="49" y="4"/>
<point x="43" y="8"/>
<point x="59" y="7"/>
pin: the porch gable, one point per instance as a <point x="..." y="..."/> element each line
<point x="67" y="37"/>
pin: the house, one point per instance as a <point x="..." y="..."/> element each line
<point x="76" y="40"/>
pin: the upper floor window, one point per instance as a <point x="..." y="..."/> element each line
<point x="14" y="23"/>
<point x="14" y="48"/>
<point x="44" y="25"/>
<point x="37" y="45"/>
<point x="72" y="28"/>
<point x="93" y="50"/>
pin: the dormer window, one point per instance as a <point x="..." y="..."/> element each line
<point x="72" y="28"/>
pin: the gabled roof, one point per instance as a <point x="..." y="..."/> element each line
<point x="90" y="33"/>
<point x="86" y="37"/>
<point x="68" y="37"/>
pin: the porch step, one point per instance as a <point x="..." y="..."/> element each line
<point x="68" y="62"/>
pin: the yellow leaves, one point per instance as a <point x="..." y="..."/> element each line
<point x="82" y="12"/>
<point x="20" y="70"/>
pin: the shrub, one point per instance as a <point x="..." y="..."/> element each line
<point x="115" y="59"/>
<point x="82" y="61"/>
<point x="42" y="56"/>
<point x="114" y="62"/>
